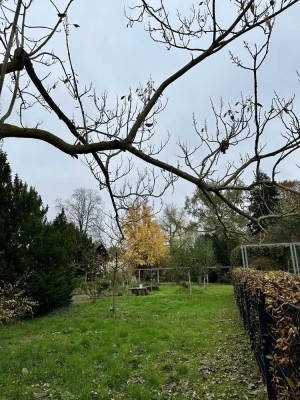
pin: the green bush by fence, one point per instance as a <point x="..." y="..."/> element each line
<point x="270" y="305"/>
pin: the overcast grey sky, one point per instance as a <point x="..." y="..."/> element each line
<point x="116" y="58"/>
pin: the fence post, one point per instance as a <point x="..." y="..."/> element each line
<point x="265" y="339"/>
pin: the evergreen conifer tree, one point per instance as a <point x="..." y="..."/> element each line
<point x="26" y="217"/>
<point x="52" y="280"/>
<point x="5" y="201"/>
<point x="264" y="199"/>
<point x="40" y="253"/>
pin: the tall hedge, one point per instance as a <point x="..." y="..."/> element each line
<point x="270" y="305"/>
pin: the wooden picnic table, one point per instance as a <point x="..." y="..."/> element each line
<point x="140" y="290"/>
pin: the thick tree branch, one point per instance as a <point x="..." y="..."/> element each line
<point x="38" y="84"/>
<point x="8" y="130"/>
<point x="10" y="44"/>
<point x="16" y="64"/>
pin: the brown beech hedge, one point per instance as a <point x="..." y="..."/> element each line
<point x="270" y="305"/>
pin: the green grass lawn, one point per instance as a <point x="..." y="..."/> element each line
<point x="167" y="345"/>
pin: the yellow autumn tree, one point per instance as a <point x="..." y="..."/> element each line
<point x="145" y="242"/>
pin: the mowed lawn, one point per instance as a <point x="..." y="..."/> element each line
<point x="167" y="345"/>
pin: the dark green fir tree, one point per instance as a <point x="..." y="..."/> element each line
<point x="263" y="200"/>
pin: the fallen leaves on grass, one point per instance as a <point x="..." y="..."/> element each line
<point x="136" y="379"/>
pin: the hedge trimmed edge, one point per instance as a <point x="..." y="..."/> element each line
<point x="270" y="305"/>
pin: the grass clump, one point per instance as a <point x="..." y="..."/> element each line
<point x="167" y="345"/>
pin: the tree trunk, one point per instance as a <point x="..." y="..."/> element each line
<point x="190" y="282"/>
<point x="114" y="292"/>
<point x="115" y="287"/>
<point x="200" y="282"/>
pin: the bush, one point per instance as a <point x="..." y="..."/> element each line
<point x="14" y="304"/>
<point x="263" y="264"/>
<point x="226" y="277"/>
<point x="98" y="288"/>
<point x="262" y="258"/>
